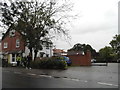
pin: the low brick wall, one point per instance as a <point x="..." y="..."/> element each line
<point x="81" y="60"/>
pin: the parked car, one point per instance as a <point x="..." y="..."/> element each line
<point x="65" y="58"/>
<point x="93" y="60"/>
<point x="69" y="62"/>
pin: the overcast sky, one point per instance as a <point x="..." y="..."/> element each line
<point x="96" y="25"/>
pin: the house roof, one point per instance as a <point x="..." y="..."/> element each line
<point x="5" y="34"/>
<point x="58" y="51"/>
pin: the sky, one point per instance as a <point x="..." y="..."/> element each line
<point x="96" y="24"/>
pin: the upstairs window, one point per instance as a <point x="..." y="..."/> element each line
<point x="17" y="43"/>
<point x="5" y="45"/>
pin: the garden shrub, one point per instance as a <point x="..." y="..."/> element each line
<point x="49" y="64"/>
<point x="35" y="64"/>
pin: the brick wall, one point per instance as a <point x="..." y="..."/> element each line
<point x="12" y="43"/>
<point x="81" y="60"/>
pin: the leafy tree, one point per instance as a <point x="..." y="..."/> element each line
<point x="115" y="43"/>
<point x="34" y="20"/>
<point x="84" y="48"/>
<point x="106" y="53"/>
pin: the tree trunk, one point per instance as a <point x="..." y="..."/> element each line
<point x="31" y="51"/>
<point x="35" y="54"/>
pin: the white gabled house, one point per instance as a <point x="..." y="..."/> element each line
<point x="47" y="51"/>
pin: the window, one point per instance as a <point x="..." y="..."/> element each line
<point x="47" y="55"/>
<point x="42" y="54"/>
<point x="17" y="43"/>
<point x="5" y="45"/>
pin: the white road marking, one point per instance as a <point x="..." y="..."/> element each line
<point x="109" y="84"/>
<point x="83" y="81"/>
<point x="45" y="76"/>
<point x="31" y="74"/>
<point x="73" y="79"/>
<point x="17" y="72"/>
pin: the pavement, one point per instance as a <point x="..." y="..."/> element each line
<point x="104" y="75"/>
<point x="99" y="64"/>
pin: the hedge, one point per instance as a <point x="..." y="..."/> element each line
<point x="49" y="64"/>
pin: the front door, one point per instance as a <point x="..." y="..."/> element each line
<point x="13" y="57"/>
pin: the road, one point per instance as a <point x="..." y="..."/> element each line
<point x="74" y="77"/>
<point x="0" y="77"/>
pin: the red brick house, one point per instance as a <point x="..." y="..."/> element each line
<point x="12" y="45"/>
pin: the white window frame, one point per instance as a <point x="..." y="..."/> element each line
<point x="17" y="43"/>
<point x="5" y="45"/>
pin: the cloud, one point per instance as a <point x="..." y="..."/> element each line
<point x="88" y="24"/>
<point x="97" y="39"/>
<point x="93" y="28"/>
<point x="96" y="26"/>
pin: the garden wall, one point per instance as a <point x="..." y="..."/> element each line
<point x="81" y="60"/>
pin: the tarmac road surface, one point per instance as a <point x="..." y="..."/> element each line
<point x="74" y="77"/>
